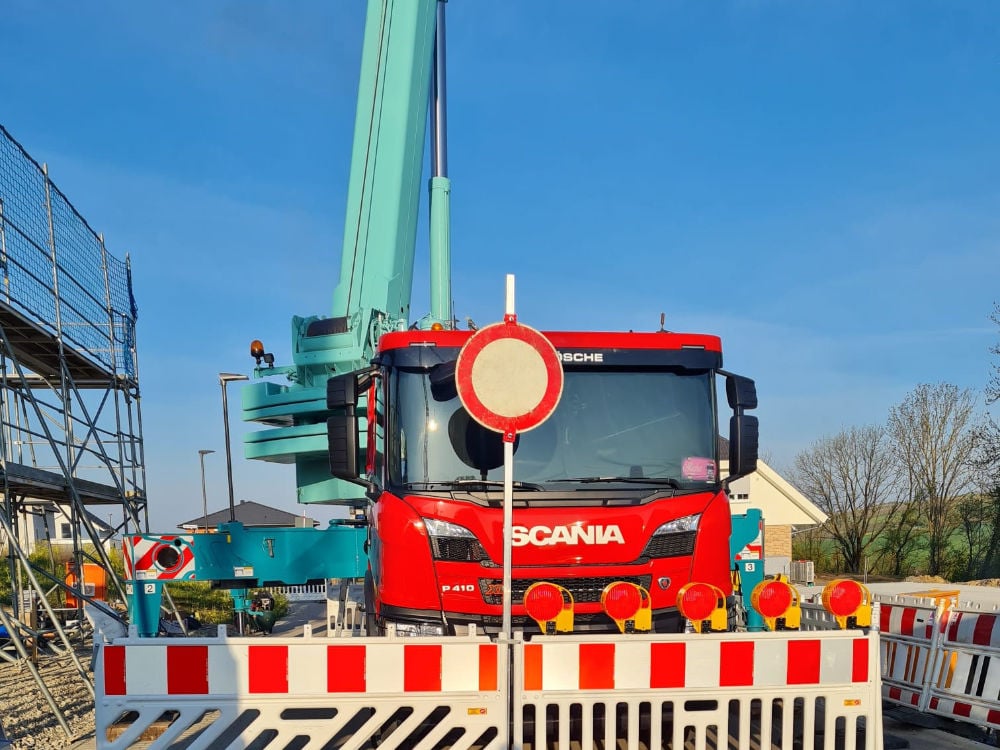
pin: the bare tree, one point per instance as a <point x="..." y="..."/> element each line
<point x="898" y="544"/>
<point x="853" y="478"/>
<point x="810" y="544"/>
<point x="934" y="442"/>
<point x="987" y="456"/>
<point x="993" y="386"/>
<point x="975" y="516"/>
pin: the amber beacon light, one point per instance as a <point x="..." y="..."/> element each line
<point x="259" y="355"/>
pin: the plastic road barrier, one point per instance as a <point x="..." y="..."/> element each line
<point x="699" y="691"/>
<point x="695" y="691"/>
<point x="941" y="657"/>
<point x="232" y="692"/>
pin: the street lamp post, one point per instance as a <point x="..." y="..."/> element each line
<point x="224" y="379"/>
<point x="204" y="493"/>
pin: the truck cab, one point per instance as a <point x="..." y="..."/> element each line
<point x="620" y="484"/>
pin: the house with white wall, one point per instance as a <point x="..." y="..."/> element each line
<point x="47" y="522"/>
<point x="784" y="509"/>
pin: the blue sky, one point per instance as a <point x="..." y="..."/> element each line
<point x="815" y="182"/>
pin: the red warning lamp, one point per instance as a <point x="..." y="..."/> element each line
<point x="551" y="606"/>
<point x="849" y="602"/>
<point x="629" y="605"/>
<point x="543" y="601"/>
<point x="696" y="601"/>
<point x="704" y="605"/>
<point x="774" y="599"/>
<point x="777" y="602"/>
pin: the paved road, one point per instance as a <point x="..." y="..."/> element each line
<point x="906" y="727"/>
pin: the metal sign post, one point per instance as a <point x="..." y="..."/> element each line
<point x="509" y="379"/>
<point x="508" y="525"/>
<point x="508" y="490"/>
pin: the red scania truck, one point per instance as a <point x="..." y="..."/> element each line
<point x="621" y="484"/>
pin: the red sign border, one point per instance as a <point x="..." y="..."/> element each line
<point x="470" y="399"/>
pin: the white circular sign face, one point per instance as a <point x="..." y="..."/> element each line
<point x="510" y="378"/>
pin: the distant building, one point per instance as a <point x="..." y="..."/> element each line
<point x="47" y="522"/>
<point x="784" y="508"/>
<point x="251" y="515"/>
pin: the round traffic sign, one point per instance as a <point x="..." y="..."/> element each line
<point x="509" y="377"/>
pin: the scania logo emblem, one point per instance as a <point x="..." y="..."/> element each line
<point x="544" y="536"/>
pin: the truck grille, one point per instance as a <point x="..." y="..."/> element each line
<point x="671" y="545"/>
<point x="458" y="549"/>
<point x="584" y="590"/>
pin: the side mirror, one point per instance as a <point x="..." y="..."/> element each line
<point x="342" y="429"/>
<point x="744" y="430"/>
<point x="741" y="392"/>
<point x="743" y="445"/>
<point x="342" y="444"/>
<point x="342" y="391"/>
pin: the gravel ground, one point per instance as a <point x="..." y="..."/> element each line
<point x="26" y="715"/>
<point x="28" y="719"/>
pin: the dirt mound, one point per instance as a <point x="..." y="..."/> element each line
<point x="925" y="579"/>
<point x="984" y="582"/>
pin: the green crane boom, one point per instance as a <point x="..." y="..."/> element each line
<point x="373" y="296"/>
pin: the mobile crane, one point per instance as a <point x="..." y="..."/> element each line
<point x="623" y="484"/>
<point x="620" y="524"/>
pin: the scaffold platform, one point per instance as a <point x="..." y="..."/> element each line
<point x="70" y="418"/>
<point x="38" y="349"/>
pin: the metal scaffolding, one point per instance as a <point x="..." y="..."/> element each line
<point x="70" y="422"/>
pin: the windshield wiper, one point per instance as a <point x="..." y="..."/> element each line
<point x="666" y="481"/>
<point x="491" y="483"/>
<point x="495" y="483"/>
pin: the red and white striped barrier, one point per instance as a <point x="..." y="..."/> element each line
<point x="940" y="657"/>
<point x="194" y="667"/>
<point x="907" y="647"/>
<point x="227" y="693"/>
<point x="976" y="627"/>
<point x="734" y="661"/>
<point x="908" y="617"/>
<point x="150" y="557"/>
<point x="770" y="689"/>
<point x="758" y="689"/>
<point x="966" y="667"/>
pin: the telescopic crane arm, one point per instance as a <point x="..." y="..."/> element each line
<point x="403" y="51"/>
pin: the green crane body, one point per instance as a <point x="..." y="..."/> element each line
<point x="373" y="295"/>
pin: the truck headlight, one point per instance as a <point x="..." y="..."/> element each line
<point x="673" y="538"/>
<point x="679" y="525"/>
<point x="453" y="543"/>
<point x="412" y="629"/>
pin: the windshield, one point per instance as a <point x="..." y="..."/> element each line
<point x="611" y="426"/>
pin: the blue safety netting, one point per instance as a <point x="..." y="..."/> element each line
<point x="55" y="269"/>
